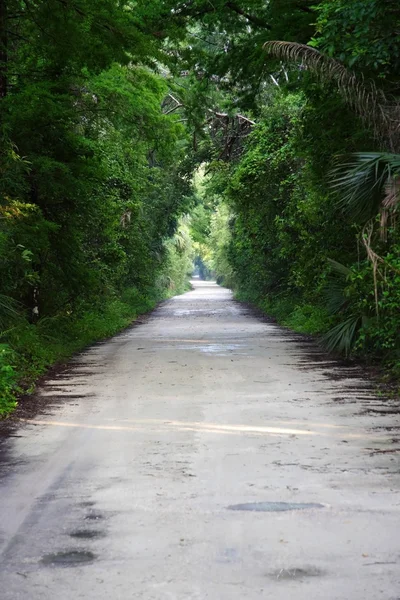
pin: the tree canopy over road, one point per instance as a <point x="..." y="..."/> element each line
<point x="261" y="138"/>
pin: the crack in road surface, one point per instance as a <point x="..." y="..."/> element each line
<point x="203" y="453"/>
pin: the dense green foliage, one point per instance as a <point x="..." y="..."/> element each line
<point x="91" y="189"/>
<point x="110" y="111"/>
<point x="362" y="34"/>
<point x="310" y="232"/>
<point x="289" y="233"/>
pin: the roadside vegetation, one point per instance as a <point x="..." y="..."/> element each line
<point x="304" y="198"/>
<point x="258" y="139"/>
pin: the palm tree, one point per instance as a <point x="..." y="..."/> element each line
<point x="370" y="103"/>
<point x="367" y="183"/>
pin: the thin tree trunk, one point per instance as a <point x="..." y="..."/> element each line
<point x="3" y="48"/>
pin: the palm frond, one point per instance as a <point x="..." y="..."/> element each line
<point x="334" y="291"/>
<point x="367" y="183"/>
<point x="341" y="337"/>
<point x="8" y="310"/>
<point x="339" y="267"/>
<point x="165" y="282"/>
<point x="181" y="239"/>
<point x="362" y="96"/>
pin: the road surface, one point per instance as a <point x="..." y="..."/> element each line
<point x="203" y="454"/>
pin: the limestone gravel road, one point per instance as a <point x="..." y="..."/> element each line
<point x="204" y="454"/>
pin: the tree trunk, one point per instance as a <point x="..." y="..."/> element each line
<point x="3" y="48"/>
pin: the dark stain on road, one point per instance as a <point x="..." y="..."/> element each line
<point x="70" y="558"/>
<point x="94" y="516"/>
<point x="87" y="534"/>
<point x="274" y="506"/>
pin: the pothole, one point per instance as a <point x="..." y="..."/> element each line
<point x="274" y="506"/>
<point x="69" y="558"/>
<point x="94" y="516"/>
<point x="87" y="534"/>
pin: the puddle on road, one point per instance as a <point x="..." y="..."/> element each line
<point x="214" y="349"/>
<point x="274" y="506"/>
<point x="220" y="349"/>
<point x="204" y="312"/>
<point x="70" y="558"/>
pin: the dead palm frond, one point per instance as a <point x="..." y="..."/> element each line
<point x="376" y="261"/>
<point x="362" y="96"/>
<point x="390" y="203"/>
<point x="369" y="181"/>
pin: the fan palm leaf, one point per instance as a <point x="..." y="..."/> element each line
<point x="336" y="299"/>
<point x="368" y="183"/>
<point x="341" y="338"/>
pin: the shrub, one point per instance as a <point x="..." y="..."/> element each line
<point x="8" y="380"/>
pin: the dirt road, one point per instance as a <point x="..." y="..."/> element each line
<point x="204" y="454"/>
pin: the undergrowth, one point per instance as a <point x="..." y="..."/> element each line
<point x="302" y="318"/>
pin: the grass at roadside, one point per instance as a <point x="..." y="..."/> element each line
<point x="303" y="318"/>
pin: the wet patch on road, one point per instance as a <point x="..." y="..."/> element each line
<point x="296" y="573"/>
<point x="229" y="556"/>
<point x="274" y="506"/>
<point x="52" y="391"/>
<point x="56" y="400"/>
<point x="383" y="411"/>
<point x="8" y="462"/>
<point x="70" y="558"/>
<point x="94" y="516"/>
<point x="358" y="383"/>
<point x="87" y="534"/>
